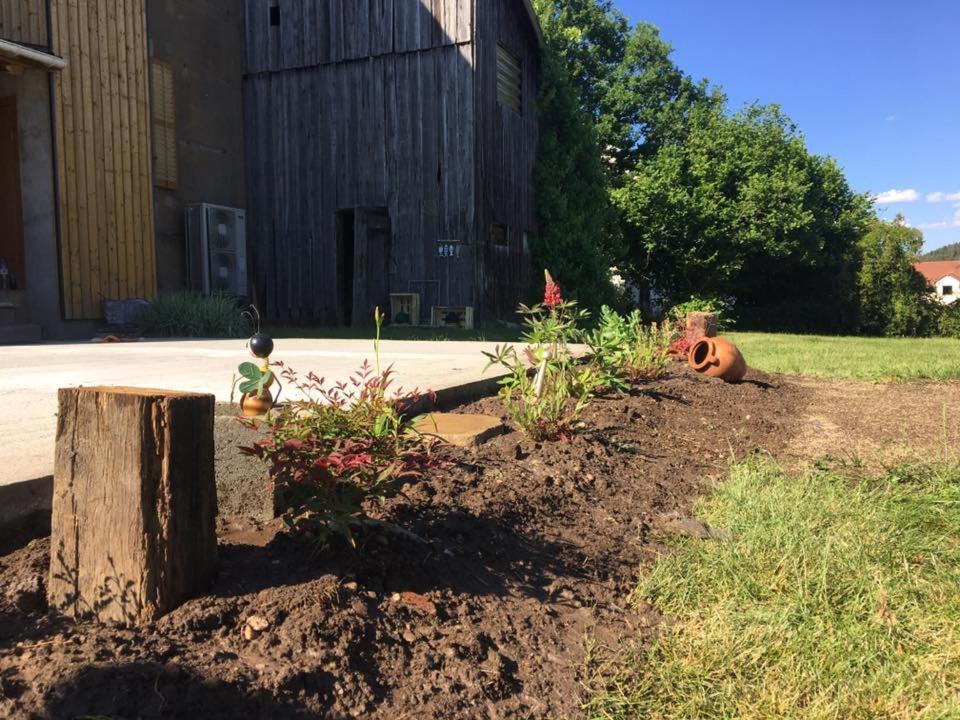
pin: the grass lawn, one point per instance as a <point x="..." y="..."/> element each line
<point x="851" y="357"/>
<point x="836" y="599"/>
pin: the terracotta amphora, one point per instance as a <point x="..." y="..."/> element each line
<point x="717" y="357"/>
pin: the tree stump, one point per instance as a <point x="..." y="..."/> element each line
<point x="701" y="324"/>
<point x="133" y="529"/>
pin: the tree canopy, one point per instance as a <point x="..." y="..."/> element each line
<point x="947" y="252"/>
<point x="739" y="208"/>
<point x="894" y="298"/>
<point x="579" y="233"/>
<point x="707" y="201"/>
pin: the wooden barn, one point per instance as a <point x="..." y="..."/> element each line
<point x="75" y="193"/>
<point x="115" y="115"/>
<point x="360" y="152"/>
<point x="390" y="147"/>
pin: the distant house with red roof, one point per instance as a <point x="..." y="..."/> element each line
<point x="943" y="276"/>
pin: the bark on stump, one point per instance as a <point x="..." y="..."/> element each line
<point x="133" y="530"/>
<point x="701" y="324"/>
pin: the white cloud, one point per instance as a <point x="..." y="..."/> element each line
<point x="945" y="224"/>
<point x="897" y="196"/>
<point x="891" y="118"/>
<point x="943" y="197"/>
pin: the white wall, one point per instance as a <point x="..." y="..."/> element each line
<point x="951" y="282"/>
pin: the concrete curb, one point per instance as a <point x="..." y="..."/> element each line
<point x="24" y="512"/>
<point x="457" y="395"/>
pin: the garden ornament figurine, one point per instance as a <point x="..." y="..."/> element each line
<point x="256" y="380"/>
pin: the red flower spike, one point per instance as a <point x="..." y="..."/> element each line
<point x="551" y="294"/>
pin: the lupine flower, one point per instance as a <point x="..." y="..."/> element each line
<point x="551" y="295"/>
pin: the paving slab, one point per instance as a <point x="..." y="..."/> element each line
<point x="31" y="375"/>
<point x="460" y="429"/>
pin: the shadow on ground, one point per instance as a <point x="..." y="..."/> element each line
<point x="152" y="690"/>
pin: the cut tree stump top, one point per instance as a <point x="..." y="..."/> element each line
<point x="145" y="392"/>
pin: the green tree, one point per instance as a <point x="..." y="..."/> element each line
<point x="947" y="252"/>
<point x="708" y="202"/>
<point x="739" y="208"/>
<point x="579" y="231"/>
<point x="624" y="78"/>
<point x="894" y="298"/>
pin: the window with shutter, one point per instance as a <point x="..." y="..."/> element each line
<point x="509" y="80"/>
<point x="164" y="127"/>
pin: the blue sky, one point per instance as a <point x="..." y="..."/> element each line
<point x="875" y="84"/>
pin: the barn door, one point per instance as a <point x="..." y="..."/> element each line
<point x="371" y="264"/>
<point x="11" y="215"/>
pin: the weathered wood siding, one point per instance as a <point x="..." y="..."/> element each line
<point x="312" y="32"/>
<point x="506" y="157"/>
<point x="24" y="21"/>
<point x="390" y="130"/>
<point x="103" y="153"/>
<point x="376" y="104"/>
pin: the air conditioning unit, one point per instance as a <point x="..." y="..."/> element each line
<point x="217" y="249"/>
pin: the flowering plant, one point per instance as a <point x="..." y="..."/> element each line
<point x="551" y="294"/>
<point x="545" y="390"/>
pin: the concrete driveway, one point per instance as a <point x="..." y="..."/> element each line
<point x="31" y="374"/>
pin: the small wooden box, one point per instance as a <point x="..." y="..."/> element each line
<point x="452" y="317"/>
<point x="404" y="308"/>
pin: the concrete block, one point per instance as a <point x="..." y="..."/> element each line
<point x="243" y="482"/>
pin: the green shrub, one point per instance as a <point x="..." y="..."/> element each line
<point x="949" y="321"/>
<point x="678" y="313"/>
<point x="626" y="350"/>
<point x="186" y="314"/>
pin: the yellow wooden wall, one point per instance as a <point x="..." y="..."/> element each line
<point x="103" y="153"/>
<point x="24" y="21"/>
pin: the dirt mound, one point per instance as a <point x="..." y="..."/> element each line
<point x="519" y="558"/>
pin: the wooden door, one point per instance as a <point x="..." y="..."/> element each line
<point x="371" y="264"/>
<point x="11" y="214"/>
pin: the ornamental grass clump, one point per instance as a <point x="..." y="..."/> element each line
<point x="187" y="314"/>
<point x="341" y="445"/>
<point x="626" y="350"/>
<point x="546" y="389"/>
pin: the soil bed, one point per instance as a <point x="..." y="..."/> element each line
<point x="529" y="553"/>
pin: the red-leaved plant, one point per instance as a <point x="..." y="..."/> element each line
<point x="337" y="446"/>
<point x="682" y="341"/>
